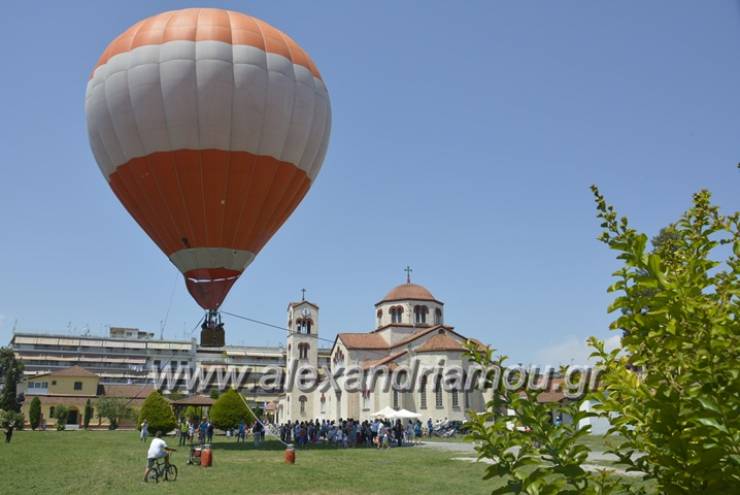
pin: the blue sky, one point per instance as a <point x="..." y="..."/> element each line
<point x="464" y="141"/>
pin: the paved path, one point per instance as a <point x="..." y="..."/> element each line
<point x="469" y="448"/>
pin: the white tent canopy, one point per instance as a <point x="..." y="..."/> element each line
<point x="386" y="413"/>
<point x="406" y="414"/>
<point x="389" y="413"/>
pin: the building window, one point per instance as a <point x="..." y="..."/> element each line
<point x="396" y="313"/>
<point x="51" y="411"/>
<point x="380" y="316"/>
<point x="365" y="399"/>
<point x="438" y="392"/>
<point x="303" y="351"/>
<point x="338" y="357"/>
<point x="437" y="316"/>
<point x="420" y="314"/>
<point x="78" y="385"/>
<point x="53" y="382"/>
<point x="303" y="325"/>
<point x="455" y="400"/>
<point x="423" y="392"/>
<point x="302" y="400"/>
<point x="466" y="397"/>
<point x="395" y="400"/>
<point x="323" y="404"/>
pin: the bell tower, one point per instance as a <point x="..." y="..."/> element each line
<point x="302" y="350"/>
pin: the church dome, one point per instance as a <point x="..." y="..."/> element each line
<point x="409" y="291"/>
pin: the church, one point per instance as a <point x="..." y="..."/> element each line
<point x="410" y="332"/>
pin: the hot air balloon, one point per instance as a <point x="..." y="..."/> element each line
<point x="210" y="126"/>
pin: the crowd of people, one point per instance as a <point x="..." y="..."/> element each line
<point x="378" y="433"/>
<point x="351" y="433"/>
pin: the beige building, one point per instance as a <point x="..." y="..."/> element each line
<point x="72" y="387"/>
<point x="410" y="334"/>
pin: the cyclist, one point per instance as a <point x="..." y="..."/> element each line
<point x="157" y="450"/>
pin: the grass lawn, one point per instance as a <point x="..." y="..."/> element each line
<point x="103" y="462"/>
<point x="600" y="443"/>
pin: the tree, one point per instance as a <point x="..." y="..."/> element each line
<point x="214" y="393"/>
<point x="229" y="410"/>
<point x="88" y="413"/>
<point x="34" y="413"/>
<point x="61" y="413"/>
<point x="8" y="418"/>
<point x="191" y="414"/>
<point x="533" y="455"/>
<point x="114" y="409"/>
<point x="157" y="411"/>
<point x="11" y="373"/>
<point x="673" y="389"/>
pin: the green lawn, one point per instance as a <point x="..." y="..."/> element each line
<point x="113" y="462"/>
<point x="600" y="443"/>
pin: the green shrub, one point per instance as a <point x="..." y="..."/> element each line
<point x="191" y="414"/>
<point x="11" y="417"/>
<point x="34" y="413"/>
<point x="672" y="389"/>
<point x="229" y="410"/>
<point x="158" y="413"/>
<point x="61" y="413"/>
<point x="114" y="409"/>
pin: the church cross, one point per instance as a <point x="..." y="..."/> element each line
<point x="303" y="294"/>
<point x="408" y="271"/>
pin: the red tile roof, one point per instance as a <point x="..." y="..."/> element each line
<point x="440" y="343"/>
<point x="380" y="362"/>
<point x="72" y="371"/>
<point x="128" y="391"/>
<point x="194" y="400"/>
<point x="363" y="341"/>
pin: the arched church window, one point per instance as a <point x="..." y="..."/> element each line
<point x="303" y="325"/>
<point x="396" y="313"/>
<point x="379" y="315"/>
<point x="438" y="392"/>
<point x="437" y="316"/>
<point x="395" y="400"/>
<point x="420" y="314"/>
<point x="423" y="392"/>
<point x="302" y="400"/>
<point x="303" y="350"/>
<point x="338" y="357"/>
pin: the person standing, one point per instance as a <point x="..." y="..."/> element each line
<point x="9" y="431"/>
<point x="183" y="433"/>
<point x="202" y="429"/>
<point x="144" y="431"/>
<point x="191" y="432"/>
<point x="209" y="432"/>
<point x="242" y="432"/>
<point x="430" y="427"/>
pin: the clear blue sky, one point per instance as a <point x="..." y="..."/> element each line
<point x="465" y="137"/>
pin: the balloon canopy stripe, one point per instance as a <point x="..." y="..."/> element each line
<point x="226" y="26"/>
<point x="209" y="198"/>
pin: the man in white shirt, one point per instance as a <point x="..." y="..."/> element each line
<point x="157" y="450"/>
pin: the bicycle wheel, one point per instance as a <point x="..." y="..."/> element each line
<point x="170" y="472"/>
<point x="153" y="475"/>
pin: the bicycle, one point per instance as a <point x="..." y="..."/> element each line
<point x="162" y="469"/>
